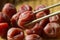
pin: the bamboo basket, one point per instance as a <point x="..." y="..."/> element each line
<point x="35" y="3"/>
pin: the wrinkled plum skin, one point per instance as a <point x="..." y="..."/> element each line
<point x="47" y="11"/>
<point x="38" y="27"/>
<point x="41" y="14"/>
<point x="42" y="22"/>
<point x="9" y="10"/>
<point x="15" y="18"/>
<point x="3" y="29"/>
<point x="4" y="18"/>
<point x="24" y="18"/>
<point x="55" y="18"/>
<point x="15" y="34"/>
<point x="24" y="8"/>
<point x="52" y="29"/>
<point x="33" y="37"/>
<point x="35" y="30"/>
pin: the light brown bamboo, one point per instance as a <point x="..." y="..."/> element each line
<point x="39" y="19"/>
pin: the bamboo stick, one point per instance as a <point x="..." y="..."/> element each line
<point x="47" y="16"/>
<point x="47" y="8"/>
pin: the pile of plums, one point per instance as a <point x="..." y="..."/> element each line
<point x="12" y="23"/>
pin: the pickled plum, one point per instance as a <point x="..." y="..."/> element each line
<point x="47" y="11"/>
<point x="4" y="18"/>
<point x="25" y="18"/>
<point x="3" y="29"/>
<point x="24" y="8"/>
<point x="42" y="22"/>
<point x="33" y="37"/>
<point x="9" y="9"/>
<point x="55" y="18"/>
<point x="35" y="30"/>
<point x="15" y="34"/>
<point x="52" y="29"/>
<point x="15" y="18"/>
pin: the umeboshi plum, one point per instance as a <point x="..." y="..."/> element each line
<point x="47" y="11"/>
<point x="52" y="29"/>
<point x="33" y="37"/>
<point x="15" y="18"/>
<point x="15" y="34"/>
<point x="9" y="9"/>
<point x="3" y="29"/>
<point x="55" y="18"/>
<point x="4" y="18"/>
<point x="24" y="18"/>
<point x="24" y="8"/>
<point x="35" y="30"/>
<point x="44" y="21"/>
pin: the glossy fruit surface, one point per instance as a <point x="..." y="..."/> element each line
<point x="52" y="29"/>
<point x="15" y="18"/>
<point x="15" y="34"/>
<point x="33" y="37"/>
<point x="24" y="8"/>
<point x="25" y="18"/>
<point x="4" y="18"/>
<point x="3" y="29"/>
<point x="47" y="11"/>
<point x="9" y="9"/>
